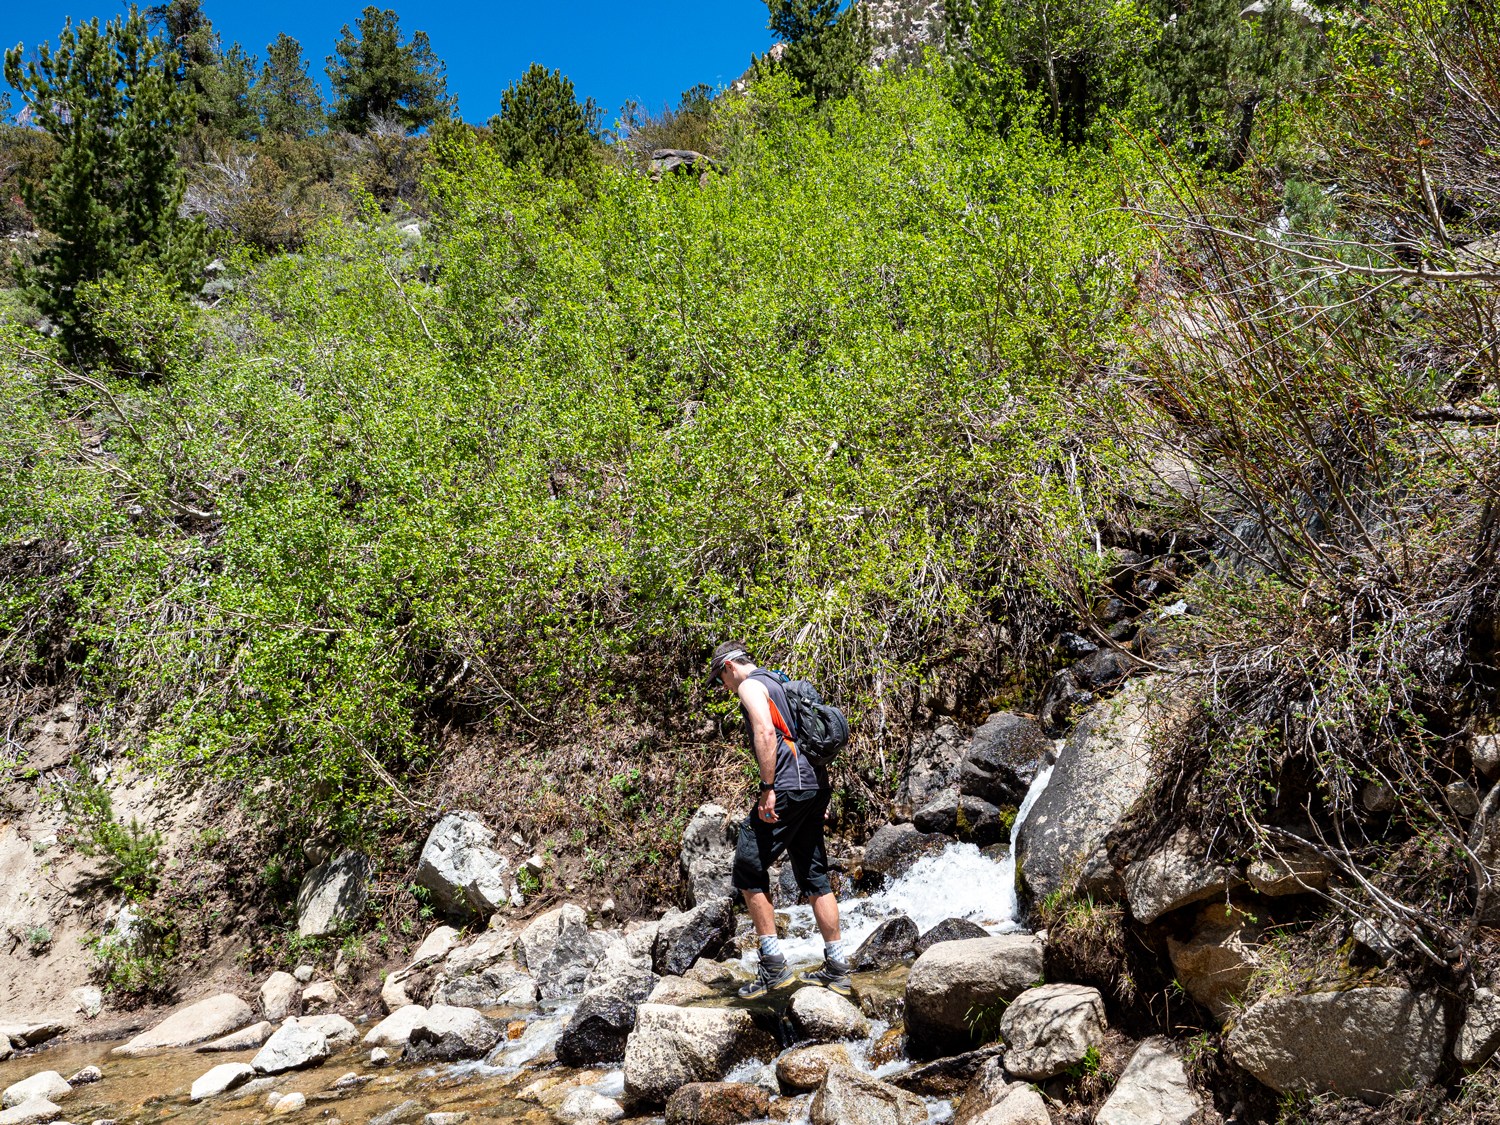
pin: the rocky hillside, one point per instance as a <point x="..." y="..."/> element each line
<point x="904" y="28"/>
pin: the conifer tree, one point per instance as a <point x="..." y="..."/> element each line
<point x="286" y="97"/>
<point x="541" y="123"/>
<point x="109" y="99"/>
<point x="826" y="49"/>
<point x="374" y="74"/>
<point x="220" y="80"/>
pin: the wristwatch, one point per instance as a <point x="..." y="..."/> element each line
<point x="765" y="785"/>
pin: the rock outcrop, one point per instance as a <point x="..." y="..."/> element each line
<point x="461" y="868"/>
<point x="1050" y="1028"/>
<point x="955" y="979"/>
<point x="333" y="894"/>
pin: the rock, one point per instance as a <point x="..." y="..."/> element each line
<point x="408" y="1111"/>
<point x="245" y="1039"/>
<point x="220" y="1080"/>
<point x="455" y="1118"/>
<point x="1050" y="1028"/>
<point x="466" y="876"/>
<point x="22" y="1035"/>
<point x="403" y="987"/>
<point x="85" y="1077"/>
<point x="597" y="1031"/>
<point x="1303" y="11"/>
<point x="1485" y="751"/>
<point x="303" y="973"/>
<point x="946" y="1077"/>
<point x="985" y="1089"/>
<point x="700" y="932"/>
<point x="396" y="1029"/>
<point x="1484" y="860"/>
<point x="291" y="1047"/>
<point x="1288" y="873"/>
<point x="505" y="985"/>
<point x="1020" y="1104"/>
<point x="1215" y="964"/>
<point x="679" y="991"/>
<point x="436" y="946"/>
<point x="717" y="1103"/>
<point x="1461" y="798"/>
<point x="195" y="1023"/>
<point x="449" y="1033"/>
<point x="719" y="974"/>
<point x="955" y="979"/>
<point x="895" y="847"/>
<point x="1479" y="1037"/>
<point x="848" y="1097"/>
<point x="804" y="1068"/>
<point x="932" y="768"/>
<point x="37" y="1109"/>
<point x="336" y="1029"/>
<point x="46" y="1085"/>
<point x="586" y="1107"/>
<point x="708" y="854"/>
<point x="826" y="1017"/>
<point x="288" y="1104"/>
<point x="332" y="895"/>
<point x="1363" y="1042"/>
<point x="490" y="948"/>
<point x="379" y="1056"/>
<point x="316" y="997"/>
<point x="5" y="1048"/>
<point x="1176" y="876"/>
<point x="956" y="814"/>
<point x="1153" y="1090"/>
<point x="280" y="996"/>
<point x="1104" y="768"/>
<point x="559" y="949"/>
<point x="88" y="1001"/>
<point x="671" y="1047"/>
<point x="893" y="941"/>
<point x="950" y="929"/>
<point x="1002" y="758"/>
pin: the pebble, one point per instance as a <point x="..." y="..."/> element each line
<point x="85" y="1076"/>
<point x="379" y="1056"/>
<point x="290" y="1103"/>
<point x="303" y="973"/>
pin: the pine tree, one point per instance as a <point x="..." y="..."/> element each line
<point x="286" y="97"/>
<point x="109" y="98"/>
<point x="376" y="75"/>
<point x="220" y="80"/>
<point x="826" y="50"/>
<point x="541" y="123"/>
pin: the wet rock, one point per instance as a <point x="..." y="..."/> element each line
<point x="679" y="991"/>
<point x="893" y="941"/>
<point x="46" y="1085"/>
<point x="671" y="1047"/>
<point x="460" y="866"/>
<point x="883" y="997"/>
<point x="1078" y="685"/>
<point x="848" y="1097"/>
<point x="190" y="1025"/>
<point x="396" y="1029"/>
<point x="950" y="929"/>
<point x="450" y="1033"/>
<point x="245" y="1039"/>
<point x="1290" y="873"/>
<point x="333" y="894"/>
<point x="599" y="1028"/>
<point x="826" y="1017"/>
<point x="1363" y="1042"/>
<point x="220" y="1080"/>
<point x="954" y="979"/>
<point x="1479" y="1037"/>
<point x="804" y="1068"/>
<point x="1002" y="758"/>
<point x="1104" y="768"/>
<point x="933" y="766"/>
<point x="316" y="997"/>
<point x="708" y="854"/>
<point x="895" y="847"/>
<point x="1176" y="876"/>
<point x="23" y="1035"/>
<point x="717" y="1103"/>
<point x="280" y="996"/>
<point x="1018" y="1104"/>
<point x="968" y="818"/>
<point x="1153" y="1090"/>
<point x="291" y="1047"/>
<point x="1215" y="964"/>
<point x="1050" y="1028"/>
<point x="947" y="1077"/>
<point x="700" y="932"/>
<point x="586" y="1107"/>
<point x="336" y="1029"/>
<point x="408" y="1111"/>
<point x="5" y="1048"/>
<point x="498" y="986"/>
<point x="889" y="1047"/>
<point x="37" y="1109"/>
<point x="492" y="947"/>
<point x="85" y="1077"/>
<point x="559" y="950"/>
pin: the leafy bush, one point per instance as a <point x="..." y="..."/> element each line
<point x="132" y="853"/>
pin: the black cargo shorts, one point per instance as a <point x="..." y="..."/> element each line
<point x="797" y="834"/>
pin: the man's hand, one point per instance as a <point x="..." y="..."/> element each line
<point x="765" y="808"/>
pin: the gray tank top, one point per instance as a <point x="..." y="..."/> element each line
<point x="793" y="771"/>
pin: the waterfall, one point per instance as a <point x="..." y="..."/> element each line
<point x="1008" y="864"/>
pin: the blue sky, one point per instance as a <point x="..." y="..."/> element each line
<point x="649" y="50"/>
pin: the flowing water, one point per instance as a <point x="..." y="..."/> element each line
<point x="518" y="1080"/>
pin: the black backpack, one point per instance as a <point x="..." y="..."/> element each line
<point x="822" y="730"/>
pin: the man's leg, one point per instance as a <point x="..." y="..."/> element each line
<point x="809" y="855"/>
<point x="757" y="848"/>
<point x="825" y="910"/>
<point x="762" y="913"/>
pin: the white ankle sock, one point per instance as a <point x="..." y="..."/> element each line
<point x="770" y="947"/>
<point x="834" y="951"/>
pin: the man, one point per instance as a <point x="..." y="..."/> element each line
<point x="787" y="820"/>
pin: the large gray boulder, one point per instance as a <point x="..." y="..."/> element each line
<point x="1019" y="1104"/>
<point x="849" y="1097"/>
<point x="503" y="985"/>
<point x="559" y="950"/>
<point x="333" y="894"/>
<point x="1361" y="1043"/>
<point x="700" y="932"/>
<point x="1177" y="875"/>
<point x="671" y="1047"/>
<point x="461" y="868"/>
<point x="280" y="996"/>
<point x="955" y="980"/>
<point x="1002" y="758"/>
<point x="448" y="1032"/>
<point x="952" y="813"/>
<point x="1103" y="769"/>
<point x="1153" y="1090"/>
<point x="1215" y="962"/>
<point x="893" y="849"/>
<point x="46" y="1084"/>
<point x="192" y="1024"/>
<point x="826" y="1017"/>
<point x="707" y="855"/>
<point x="600" y="1025"/>
<point x="291" y="1047"/>
<point x="1050" y="1028"/>
<point x="933" y="766"/>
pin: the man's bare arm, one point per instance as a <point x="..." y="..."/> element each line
<point x="757" y="704"/>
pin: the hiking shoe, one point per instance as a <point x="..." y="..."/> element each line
<point x="834" y="976"/>
<point x="772" y="974"/>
